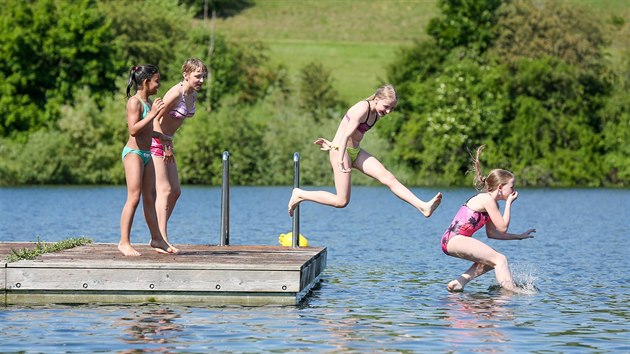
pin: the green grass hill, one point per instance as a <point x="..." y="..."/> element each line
<point x="356" y="39"/>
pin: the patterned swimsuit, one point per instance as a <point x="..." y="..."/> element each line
<point x="181" y="111"/>
<point x="465" y="223"/>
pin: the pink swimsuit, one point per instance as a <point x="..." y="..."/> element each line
<point x="179" y="112"/>
<point x="465" y="223"/>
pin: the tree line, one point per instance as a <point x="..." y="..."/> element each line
<point x="530" y="80"/>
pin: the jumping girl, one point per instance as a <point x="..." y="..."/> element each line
<point x="345" y="153"/>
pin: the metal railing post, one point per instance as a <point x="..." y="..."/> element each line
<point x="296" y="212"/>
<point x="224" y="238"/>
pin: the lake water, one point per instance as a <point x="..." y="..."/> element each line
<point x="384" y="289"/>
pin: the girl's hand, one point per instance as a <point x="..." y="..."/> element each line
<point x="343" y="168"/>
<point x="157" y="106"/>
<point x="527" y="234"/>
<point x="169" y="153"/>
<point x="512" y="197"/>
<point x="325" y="145"/>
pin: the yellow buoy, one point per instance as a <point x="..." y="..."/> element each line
<point x="287" y="240"/>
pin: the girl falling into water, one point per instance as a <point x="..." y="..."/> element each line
<point x="345" y="153"/>
<point x="480" y="210"/>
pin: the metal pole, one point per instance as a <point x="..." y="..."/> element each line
<point x="224" y="239"/>
<point x="296" y="212"/>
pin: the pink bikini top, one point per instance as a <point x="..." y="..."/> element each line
<point x="181" y="110"/>
<point x="364" y="126"/>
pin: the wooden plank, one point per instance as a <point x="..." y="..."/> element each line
<point x="3" y="276"/>
<point x="152" y="279"/>
<point x="200" y="273"/>
<point x="5" y="251"/>
<point x="196" y="257"/>
<point x="196" y="298"/>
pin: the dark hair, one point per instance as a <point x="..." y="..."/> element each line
<point x="494" y="179"/>
<point x="138" y="74"/>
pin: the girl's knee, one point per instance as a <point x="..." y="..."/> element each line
<point x="170" y="192"/>
<point x="500" y="260"/>
<point x="341" y="202"/>
<point x="133" y="200"/>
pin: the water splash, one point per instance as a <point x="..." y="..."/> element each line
<point x="524" y="277"/>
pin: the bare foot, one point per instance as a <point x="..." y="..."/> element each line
<point x="455" y="286"/>
<point x="171" y="248"/>
<point x="160" y="246"/>
<point x="431" y="205"/>
<point x="127" y="250"/>
<point x="294" y="201"/>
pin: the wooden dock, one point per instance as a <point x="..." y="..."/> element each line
<point x="199" y="274"/>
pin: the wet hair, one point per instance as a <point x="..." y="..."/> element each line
<point x="493" y="180"/>
<point x="385" y="92"/>
<point x="138" y="74"/>
<point x="194" y="64"/>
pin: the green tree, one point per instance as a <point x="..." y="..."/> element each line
<point x="49" y="48"/>
<point x="460" y="108"/>
<point x="317" y="94"/>
<point x="465" y="23"/>
<point x="552" y="29"/>
<point x="148" y="32"/>
<point x="528" y="80"/>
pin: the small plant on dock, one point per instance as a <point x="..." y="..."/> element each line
<point x="46" y="247"/>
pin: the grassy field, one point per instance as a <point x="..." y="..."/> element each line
<point x="357" y="39"/>
<point x="353" y="39"/>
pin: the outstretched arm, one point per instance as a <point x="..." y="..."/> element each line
<point x="493" y="233"/>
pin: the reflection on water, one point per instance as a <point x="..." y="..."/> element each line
<point x="478" y="319"/>
<point x="150" y="324"/>
<point x="384" y="288"/>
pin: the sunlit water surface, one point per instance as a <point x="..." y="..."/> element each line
<point x="384" y="288"/>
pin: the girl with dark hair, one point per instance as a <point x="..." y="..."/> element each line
<point x="136" y="157"/>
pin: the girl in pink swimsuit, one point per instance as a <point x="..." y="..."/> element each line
<point x="480" y="210"/>
<point x="180" y="102"/>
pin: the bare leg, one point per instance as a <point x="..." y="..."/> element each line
<point x="168" y="191"/>
<point x="478" y="252"/>
<point x="370" y="166"/>
<point x="474" y="271"/>
<point x="148" y="191"/>
<point x="133" y="175"/>
<point x="343" y="182"/>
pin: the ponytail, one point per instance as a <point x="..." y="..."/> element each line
<point x="479" y="180"/>
<point x="138" y="74"/>
<point x="495" y="178"/>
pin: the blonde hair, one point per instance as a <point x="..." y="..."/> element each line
<point x="493" y="180"/>
<point x="385" y="92"/>
<point x="192" y="65"/>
